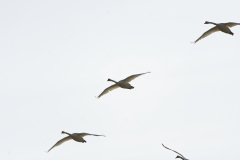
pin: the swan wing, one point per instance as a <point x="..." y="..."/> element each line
<point x="207" y="33"/>
<point x="132" y="77"/>
<point x="60" y="142"/>
<point x="88" y="134"/>
<point x="173" y="151"/>
<point x="231" y="24"/>
<point x="112" y="87"/>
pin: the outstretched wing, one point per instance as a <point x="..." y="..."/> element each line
<point x="231" y="24"/>
<point x="60" y="142"/>
<point x="88" y="134"/>
<point x="132" y="77"/>
<point x="112" y="87"/>
<point x="207" y="33"/>
<point x="174" y="151"/>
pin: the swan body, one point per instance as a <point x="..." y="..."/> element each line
<point x="122" y="84"/>
<point x="75" y="136"/>
<point x="178" y="156"/>
<point x="224" y="27"/>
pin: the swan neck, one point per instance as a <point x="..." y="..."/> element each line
<point x="112" y="80"/>
<point x="66" y="133"/>
<point x="212" y="23"/>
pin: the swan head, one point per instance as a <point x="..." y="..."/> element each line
<point x="63" y="132"/>
<point x="206" y="22"/>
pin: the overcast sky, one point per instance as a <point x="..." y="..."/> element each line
<point x="56" y="57"/>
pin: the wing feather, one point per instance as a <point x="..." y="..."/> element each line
<point x="173" y="151"/>
<point x="88" y="134"/>
<point x="60" y="142"/>
<point x="231" y="24"/>
<point x="207" y="33"/>
<point x="112" y="87"/>
<point x="132" y="77"/>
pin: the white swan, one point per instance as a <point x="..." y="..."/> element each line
<point x="224" y="27"/>
<point x="181" y="156"/>
<point x="122" y="83"/>
<point x="75" y="136"/>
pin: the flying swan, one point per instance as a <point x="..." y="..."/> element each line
<point x="181" y="156"/>
<point x="75" y="136"/>
<point x="224" y="27"/>
<point x="122" y="83"/>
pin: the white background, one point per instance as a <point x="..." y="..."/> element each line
<point x="56" y="56"/>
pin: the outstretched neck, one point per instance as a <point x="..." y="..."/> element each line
<point x="63" y="132"/>
<point x="111" y="80"/>
<point x="210" y="23"/>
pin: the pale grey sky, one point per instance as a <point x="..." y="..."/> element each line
<point x="56" y="56"/>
